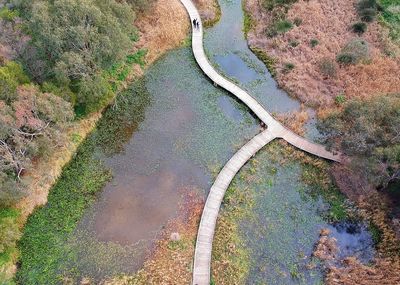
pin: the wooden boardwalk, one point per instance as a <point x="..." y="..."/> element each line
<point x="202" y="259"/>
<point x="205" y="235"/>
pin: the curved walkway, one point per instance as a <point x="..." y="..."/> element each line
<point x="202" y="258"/>
<point x="205" y="235"/>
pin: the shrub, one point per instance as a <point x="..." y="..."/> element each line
<point x="314" y="43"/>
<point x="283" y="26"/>
<point x="288" y="67"/>
<point x="353" y="52"/>
<point x="271" y="4"/>
<point x="327" y="67"/>
<point x="94" y="92"/>
<point x="367" y="10"/>
<point x="366" y="4"/>
<point x="11" y="190"/>
<point x="345" y="58"/>
<point x="293" y="43"/>
<point x="7" y="14"/>
<point x="279" y="27"/>
<point x="297" y="21"/>
<point x="359" y="27"/>
<point x="340" y="99"/>
<point x="368" y="15"/>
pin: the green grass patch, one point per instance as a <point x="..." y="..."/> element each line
<point x="390" y="17"/>
<point x="229" y="251"/>
<point x="138" y="57"/>
<point x="9" y="233"/>
<point x="278" y="27"/>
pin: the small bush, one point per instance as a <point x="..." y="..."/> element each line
<point x="7" y="14"/>
<point x="11" y="190"/>
<point x="314" y="43"/>
<point x="327" y="67"/>
<point x="353" y="52"/>
<point x="359" y="28"/>
<point x="366" y="4"/>
<point x="271" y="4"/>
<point x="368" y="15"/>
<point x="293" y="43"/>
<point x="279" y="27"/>
<point x="345" y="58"/>
<point x="367" y="10"/>
<point x="297" y="21"/>
<point x="340" y="99"/>
<point x="288" y="67"/>
<point x="283" y="26"/>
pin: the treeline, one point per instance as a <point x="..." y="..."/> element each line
<point x="60" y="60"/>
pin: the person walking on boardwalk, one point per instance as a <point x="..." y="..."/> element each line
<point x="198" y="24"/>
<point x="194" y="23"/>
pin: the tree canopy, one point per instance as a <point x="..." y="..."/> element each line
<point x="73" y="41"/>
<point x="31" y="124"/>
